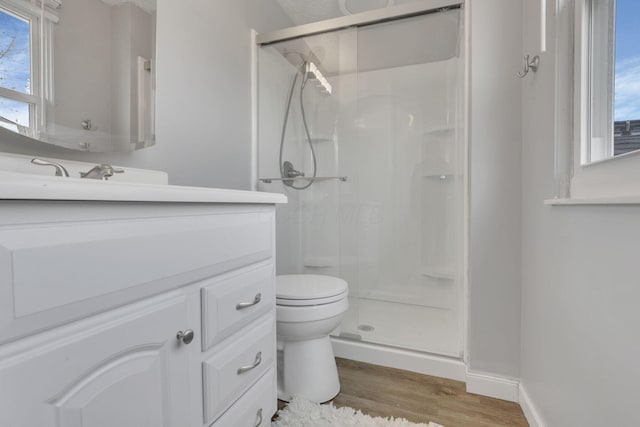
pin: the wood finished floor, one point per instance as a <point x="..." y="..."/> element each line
<point x="381" y="391"/>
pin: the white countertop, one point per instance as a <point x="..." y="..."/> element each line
<point x="22" y="186"/>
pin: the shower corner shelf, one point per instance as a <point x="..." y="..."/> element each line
<point x="439" y="273"/>
<point x="439" y="176"/>
<point x="439" y="130"/>
<point x="321" y="139"/>
<point x="304" y="178"/>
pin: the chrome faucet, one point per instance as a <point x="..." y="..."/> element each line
<point x="103" y="172"/>
<point x="60" y="170"/>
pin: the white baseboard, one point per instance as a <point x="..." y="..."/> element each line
<point x="493" y="386"/>
<point x="530" y="412"/>
<point x="414" y="361"/>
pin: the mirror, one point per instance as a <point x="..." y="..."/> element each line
<point x="79" y="73"/>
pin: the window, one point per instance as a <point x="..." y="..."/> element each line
<point x="18" y="67"/>
<point x="606" y="152"/>
<point x="614" y="79"/>
<point x="626" y="119"/>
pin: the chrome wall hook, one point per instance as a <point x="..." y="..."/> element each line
<point x="530" y="64"/>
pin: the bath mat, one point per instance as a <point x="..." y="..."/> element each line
<point x="302" y="413"/>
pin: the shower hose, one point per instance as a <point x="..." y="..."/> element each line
<point x="303" y="83"/>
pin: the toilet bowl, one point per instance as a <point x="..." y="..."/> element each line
<point x="308" y="308"/>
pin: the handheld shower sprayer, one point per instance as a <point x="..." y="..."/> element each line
<point x="314" y="73"/>
<point x="307" y="70"/>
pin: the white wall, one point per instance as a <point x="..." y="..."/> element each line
<point x="494" y="270"/>
<point x="203" y="120"/>
<point x="580" y="286"/>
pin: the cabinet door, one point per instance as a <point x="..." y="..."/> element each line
<point x="126" y="369"/>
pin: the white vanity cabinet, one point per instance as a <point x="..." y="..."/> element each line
<point x="137" y="314"/>
<point x="124" y="370"/>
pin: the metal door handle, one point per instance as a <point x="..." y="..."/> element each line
<point x="185" y="336"/>
<point x="257" y="362"/>
<point x="259" y="415"/>
<point x="244" y="305"/>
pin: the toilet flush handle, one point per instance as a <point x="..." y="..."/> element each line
<point x="244" y="305"/>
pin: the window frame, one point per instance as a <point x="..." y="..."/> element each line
<point x="612" y="178"/>
<point x="34" y="99"/>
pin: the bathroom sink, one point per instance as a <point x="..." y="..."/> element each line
<point x="22" y="180"/>
<point x="18" y="163"/>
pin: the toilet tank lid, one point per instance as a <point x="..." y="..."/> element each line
<point x="308" y="286"/>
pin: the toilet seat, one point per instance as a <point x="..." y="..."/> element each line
<point x="310" y="302"/>
<point x="309" y="290"/>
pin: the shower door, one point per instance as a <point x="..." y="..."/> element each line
<point x="297" y="125"/>
<point x="392" y="128"/>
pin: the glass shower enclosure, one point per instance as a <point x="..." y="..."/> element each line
<point x="363" y="129"/>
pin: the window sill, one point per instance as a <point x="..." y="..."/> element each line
<point x="595" y="201"/>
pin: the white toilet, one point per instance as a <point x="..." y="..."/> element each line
<point x="308" y="308"/>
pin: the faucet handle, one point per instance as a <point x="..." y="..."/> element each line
<point x="110" y="170"/>
<point x="102" y="171"/>
<point x="60" y="170"/>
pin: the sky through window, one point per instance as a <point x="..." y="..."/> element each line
<point x="15" y="53"/>
<point x="627" y="84"/>
<point x="15" y="67"/>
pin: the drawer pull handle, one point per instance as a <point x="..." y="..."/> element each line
<point x="244" y="305"/>
<point x="259" y="415"/>
<point x="244" y="369"/>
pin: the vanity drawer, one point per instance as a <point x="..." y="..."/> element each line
<point x="51" y="273"/>
<point x="230" y="372"/>
<point x="256" y="407"/>
<point x="231" y="303"/>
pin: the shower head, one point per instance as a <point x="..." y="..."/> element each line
<point x="314" y="73"/>
<point x="314" y="55"/>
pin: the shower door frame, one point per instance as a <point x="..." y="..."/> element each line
<point x="387" y="14"/>
<point x="376" y="16"/>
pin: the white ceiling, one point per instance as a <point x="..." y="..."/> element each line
<point x="146" y="5"/>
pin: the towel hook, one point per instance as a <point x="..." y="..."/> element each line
<point x="530" y="64"/>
